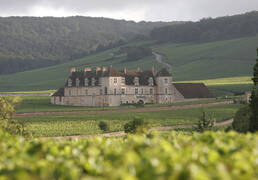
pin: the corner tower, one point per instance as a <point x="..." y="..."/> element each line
<point x="164" y="86"/>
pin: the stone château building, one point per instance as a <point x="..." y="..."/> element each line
<point x="109" y="87"/>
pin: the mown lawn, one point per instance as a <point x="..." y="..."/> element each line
<point x="78" y="124"/>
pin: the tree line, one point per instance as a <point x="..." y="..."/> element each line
<point x="208" y="29"/>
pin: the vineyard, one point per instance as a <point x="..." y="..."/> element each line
<point x="212" y="155"/>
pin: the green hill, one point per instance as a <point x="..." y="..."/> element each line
<point x="32" y="42"/>
<point x="195" y="61"/>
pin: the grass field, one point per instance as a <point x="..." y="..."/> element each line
<point x="232" y="58"/>
<point x="42" y="104"/>
<point x="77" y="124"/>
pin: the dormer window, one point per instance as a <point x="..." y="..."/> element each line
<point x="136" y="81"/>
<point x="150" y="81"/>
<point x="77" y="82"/>
<point x="115" y="80"/>
<point x="93" y="81"/>
<point x="70" y="82"/>
<point x="86" y="82"/>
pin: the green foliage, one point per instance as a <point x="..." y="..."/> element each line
<point x="177" y="156"/>
<point x="241" y="121"/>
<point x="135" y="53"/>
<point x="254" y="100"/>
<point x="82" y="124"/>
<point x="209" y="29"/>
<point x="205" y="123"/>
<point x="197" y="61"/>
<point x="32" y="42"/>
<point x="103" y="126"/>
<point x="7" y="111"/>
<point x="136" y="125"/>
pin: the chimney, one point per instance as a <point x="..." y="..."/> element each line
<point x="98" y="69"/>
<point x="87" y="69"/>
<point x="125" y="70"/>
<point x="104" y="69"/>
<point x="153" y="70"/>
<point x="73" y="69"/>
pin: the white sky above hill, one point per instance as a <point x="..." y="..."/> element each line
<point x="137" y="10"/>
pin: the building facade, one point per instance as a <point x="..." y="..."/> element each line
<point x="110" y="87"/>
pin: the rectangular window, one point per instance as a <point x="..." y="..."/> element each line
<point x="123" y="91"/>
<point x="115" y="80"/>
<point x="166" y="81"/>
<point x="151" y="91"/>
<point x="86" y="92"/>
<point x="166" y="91"/>
<point x="114" y="91"/>
<point x="142" y="91"/>
<point x="123" y="81"/>
<point x="70" y="93"/>
<point x="100" y="91"/>
<point x="106" y="90"/>
<point x="136" y="90"/>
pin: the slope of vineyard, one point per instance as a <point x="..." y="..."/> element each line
<point x="196" y="61"/>
<point x="178" y="156"/>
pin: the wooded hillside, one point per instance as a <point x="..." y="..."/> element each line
<point x="33" y="42"/>
<point x="208" y="29"/>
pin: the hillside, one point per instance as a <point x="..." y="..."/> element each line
<point x="208" y="29"/>
<point x="32" y="42"/>
<point x="195" y="61"/>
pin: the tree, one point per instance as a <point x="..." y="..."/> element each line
<point x="205" y="123"/>
<point x="254" y="100"/>
<point x="7" y="111"/>
<point x="103" y="126"/>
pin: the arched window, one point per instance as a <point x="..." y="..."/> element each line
<point x="77" y="82"/>
<point x="70" y="82"/>
<point x="136" y="81"/>
<point x="93" y="81"/>
<point x="86" y="82"/>
<point x="150" y="81"/>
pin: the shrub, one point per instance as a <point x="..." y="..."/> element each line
<point x="103" y="126"/>
<point x="205" y="123"/>
<point x="242" y="119"/>
<point x="136" y="125"/>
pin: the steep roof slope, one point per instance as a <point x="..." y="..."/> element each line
<point x="193" y="90"/>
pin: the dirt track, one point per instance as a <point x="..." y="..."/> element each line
<point x="122" y="133"/>
<point x="147" y="109"/>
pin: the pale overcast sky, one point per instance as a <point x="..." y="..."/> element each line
<point x="137" y="10"/>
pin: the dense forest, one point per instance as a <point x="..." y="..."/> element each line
<point x="33" y="42"/>
<point x="208" y="29"/>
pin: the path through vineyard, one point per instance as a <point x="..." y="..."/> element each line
<point x="122" y="133"/>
